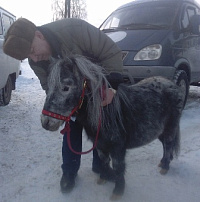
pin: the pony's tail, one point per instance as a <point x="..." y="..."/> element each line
<point x="176" y="146"/>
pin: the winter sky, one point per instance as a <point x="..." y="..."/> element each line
<point x="39" y="11"/>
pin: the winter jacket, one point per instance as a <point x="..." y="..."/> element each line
<point x="75" y="36"/>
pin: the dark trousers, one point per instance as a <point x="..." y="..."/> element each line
<point x="71" y="161"/>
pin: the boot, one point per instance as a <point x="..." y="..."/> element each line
<point x="67" y="182"/>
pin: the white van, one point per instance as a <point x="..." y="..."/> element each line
<point x="9" y="67"/>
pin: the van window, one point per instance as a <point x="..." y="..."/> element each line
<point x="142" y="14"/>
<point x="1" y="27"/>
<point x="7" y="23"/>
<point x="188" y="13"/>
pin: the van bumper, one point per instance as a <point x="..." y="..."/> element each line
<point x="137" y="73"/>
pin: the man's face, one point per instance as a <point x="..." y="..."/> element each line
<point x="40" y="48"/>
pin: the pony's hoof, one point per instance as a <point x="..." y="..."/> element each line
<point x="163" y="171"/>
<point x="101" y="181"/>
<point x="115" y="197"/>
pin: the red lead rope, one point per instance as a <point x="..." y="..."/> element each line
<point x="66" y="129"/>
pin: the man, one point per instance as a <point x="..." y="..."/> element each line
<point x="61" y="39"/>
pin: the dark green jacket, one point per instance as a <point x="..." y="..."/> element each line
<point x="75" y="36"/>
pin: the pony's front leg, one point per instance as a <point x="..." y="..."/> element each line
<point x="106" y="173"/>
<point x="118" y="162"/>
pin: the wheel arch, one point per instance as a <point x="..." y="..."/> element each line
<point x="13" y="78"/>
<point x="183" y="64"/>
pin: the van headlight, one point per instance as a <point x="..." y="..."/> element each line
<point x="152" y="52"/>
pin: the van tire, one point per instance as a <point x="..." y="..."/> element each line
<point x="181" y="79"/>
<point x="5" y="93"/>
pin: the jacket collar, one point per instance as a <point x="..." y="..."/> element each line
<point x="52" y="40"/>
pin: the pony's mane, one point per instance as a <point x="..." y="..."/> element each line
<point x="54" y="75"/>
<point x="96" y="77"/>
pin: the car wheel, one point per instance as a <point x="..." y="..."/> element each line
<point x="181" y="79"/>
<point x="5" y="94"/>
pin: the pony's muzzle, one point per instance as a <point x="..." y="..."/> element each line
<point x="50" y="123"/>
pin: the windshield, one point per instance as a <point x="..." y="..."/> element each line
<point x="151" y="15"/>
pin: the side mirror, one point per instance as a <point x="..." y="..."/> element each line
<point x="195" y="24"/>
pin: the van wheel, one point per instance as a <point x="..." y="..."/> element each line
<point x="181" y="79"/>
<point x="5" y="93"/>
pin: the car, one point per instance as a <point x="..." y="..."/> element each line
<point x="9" y="67"/>
<point x="158" y="38"/>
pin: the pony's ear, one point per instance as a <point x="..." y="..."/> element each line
<point x="52" y="60"/>
<point x="73" y="61"/>
<point x="69" y="61"/>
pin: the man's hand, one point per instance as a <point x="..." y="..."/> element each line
<point x="108" y="97"/>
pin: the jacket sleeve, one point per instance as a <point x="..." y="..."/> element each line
<point x="114" y="78"/>
<point x="99" y="46"/>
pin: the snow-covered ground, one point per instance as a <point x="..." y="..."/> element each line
<point x="30" y="157"/>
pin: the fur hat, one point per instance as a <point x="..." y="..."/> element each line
<point x="19" y="38"/>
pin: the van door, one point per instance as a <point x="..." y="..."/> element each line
<point x="7" y="21"/>
<point x="3" y="57"/>
<point x="191" y="42"/>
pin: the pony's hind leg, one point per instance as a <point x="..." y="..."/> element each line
<point x="167" y="157"/>
<point x="170" y="141"/>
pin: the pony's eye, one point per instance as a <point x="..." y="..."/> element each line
<point x="65" y="88"/>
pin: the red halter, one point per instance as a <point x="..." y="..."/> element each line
<point x="67" y="124"/>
